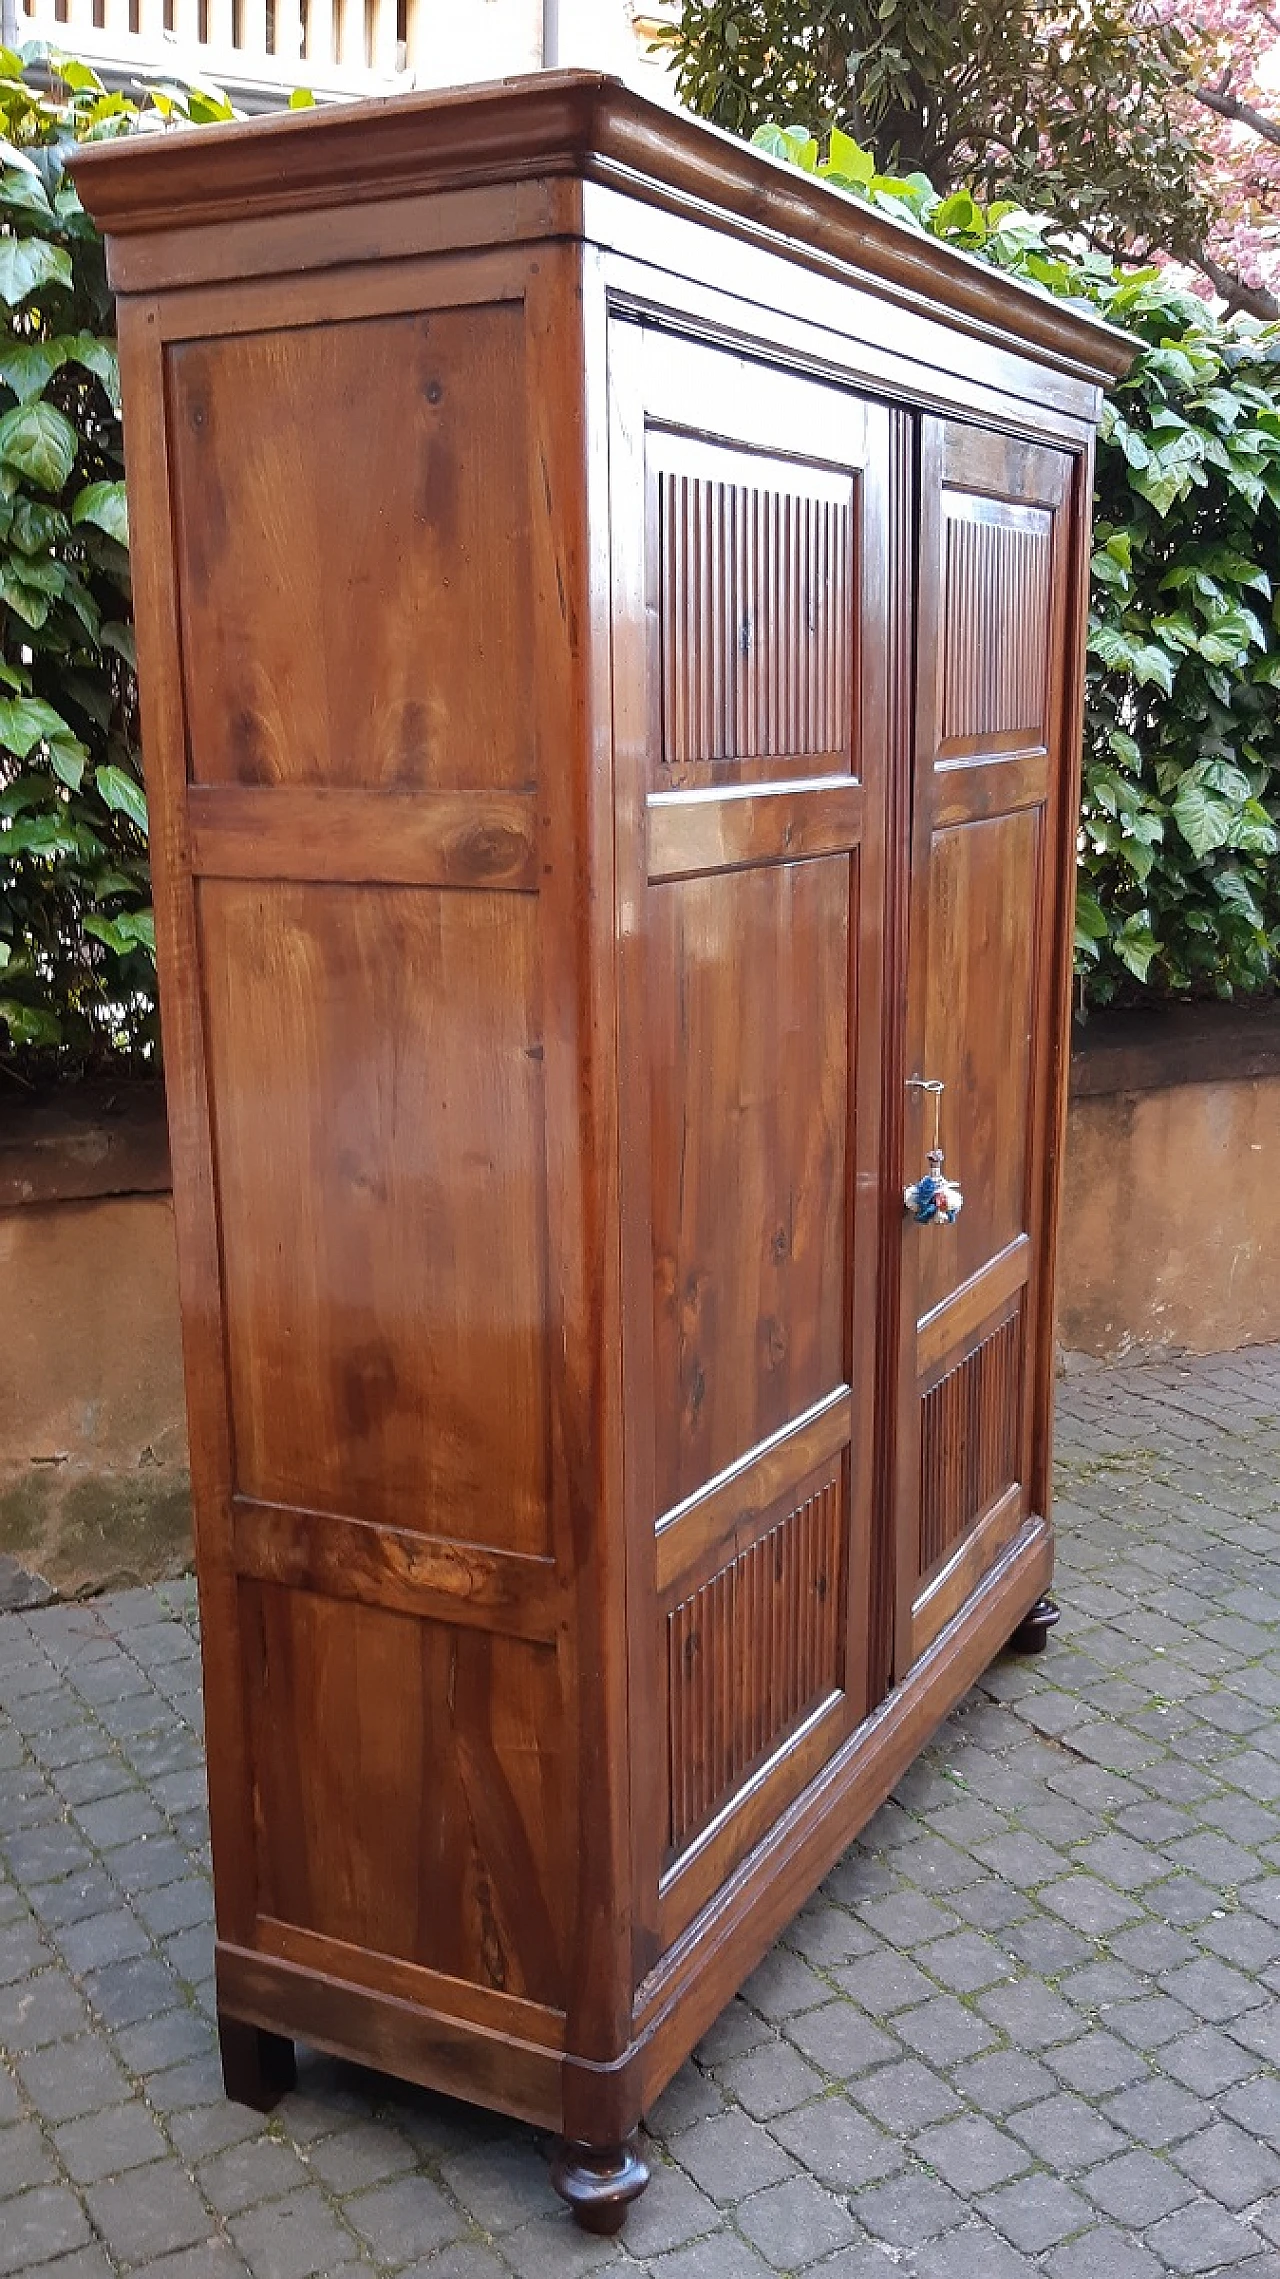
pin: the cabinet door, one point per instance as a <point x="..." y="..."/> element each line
<point x="749" y="564"/>
<point x="994" y="786"/>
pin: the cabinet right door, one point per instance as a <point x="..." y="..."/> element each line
<point x="994" y="790"/>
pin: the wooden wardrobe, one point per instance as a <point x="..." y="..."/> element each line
<point x="610" y="614"/>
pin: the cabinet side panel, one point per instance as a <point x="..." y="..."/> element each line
<point x="377" y="1085"/>
<point x="358" y="1714"/>
<point x="356" y="518"/>
<point x="352" y="532"/>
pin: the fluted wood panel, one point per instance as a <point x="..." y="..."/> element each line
<point x="996" y="614"/>
<point x="748" y="1654"/>
<point x="755" y="621"/>
<point x="969" y="1440"/>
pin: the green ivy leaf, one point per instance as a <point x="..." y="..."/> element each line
<point x="1203" y="817"/>
<point x="40" y="442"/>
<point x="104" y="505"/>
<point x="124" y="794"/>
<point x="27" y="263"/>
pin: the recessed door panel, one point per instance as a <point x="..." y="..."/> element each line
<point x="990" y="778"/>
<point x="749" y="981"/>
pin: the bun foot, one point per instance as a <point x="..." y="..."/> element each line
<point x="257" y="2068"/>
<point x="600" y="2182"/>
<point x="1032" y="1633"/>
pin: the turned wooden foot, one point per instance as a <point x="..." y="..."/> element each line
<point x="1032" y="1633"/>
<point x="600" y="2182"/>
<point x="257" y="2067"/>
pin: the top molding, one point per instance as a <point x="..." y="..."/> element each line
<point x="585" y="126"/>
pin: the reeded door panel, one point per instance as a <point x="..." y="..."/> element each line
<point x="749" y="637"/>
<point x="991" y="773"/>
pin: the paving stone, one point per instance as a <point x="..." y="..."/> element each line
<point x="721" y="2256"/>
<point x="908" y="2209"/>
<point x="1066" y="2133"/>
<point x="840" y="2041"/>
<point x="731" y="2155"/>
<point x="24" y="2161"/>
<point x="1203" y="2237"/>
<point x="403" y="2219"/>
<point x="257" y="2168"/>
<point x="1105" y="2254"/>
<point x="841" y="2147"/>
<point x="1156" y="2112"/>
<point x="1037" y="2212"/>
<point x="1031" y="2014"/>
<point x="1002" y="2080"/>
<point x="770" y="2081"/>
<point x="884" y="1983"/>
<point x="40" y="2225"/>
<point x="1097" y="2062"/>
<point x="971" y="2154"/>
<point x="783" y="1985"/>
<point x="554" y="2244"/>
<point x="39" y="2010"/>
<point x="1231" y="2166"/>
<point x="86" y="2263"/>
<point x="978" y="2251"/>
<point x="1137" y="2189"/>
<point x="149" y="2213"/>
<point x="906" y="2097"/>
<point x="104" y="2144"/>
<point x="498" y="2183"/>
<point x="670" y="2212"/>
<point x="943" y="2031"/>
<point x="295" y="2238"/>
<point x="795" y="2223"/>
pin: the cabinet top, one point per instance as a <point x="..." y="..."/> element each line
<point x="583" y="125"/>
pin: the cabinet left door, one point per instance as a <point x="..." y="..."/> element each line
<point x="750" y="515"/>
<point x="378" y="1237"/>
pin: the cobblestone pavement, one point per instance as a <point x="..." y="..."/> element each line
<point x="1029" y="2024"/>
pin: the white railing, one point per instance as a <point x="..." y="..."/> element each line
<point x="259" y="50"/>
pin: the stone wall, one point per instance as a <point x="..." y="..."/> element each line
<point x="93" y="1456"/>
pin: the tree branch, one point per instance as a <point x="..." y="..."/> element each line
<point x="1242" y="114"/>
<point x="1241" y="299"/>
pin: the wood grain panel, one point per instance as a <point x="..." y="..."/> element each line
<point x="390" y="838"/>
<point x="971" y="1305"/>
<point x="355" y="586"/>
<point x="392" y="1567"/>
<point x="971" y="794"/>
<point x="437" y="1835"/>
<point x="697" y="1535"/>
<point x="995" y="658"/>
<point x="749" y="1069"/>
<point x="488" y="2007"/>
<point x="693" y="832"/>
<point x="376" y="1059"/>
<point x="975" y="1553"/>
<point x="395" y="2036"/>
<point x="982" y="888"/>
<point x="969" y="1439"/>
<point x="755" y="585"/>
<point x="749" y="1654"/>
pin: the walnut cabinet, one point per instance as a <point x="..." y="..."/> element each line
<point x="610" y="617"/>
